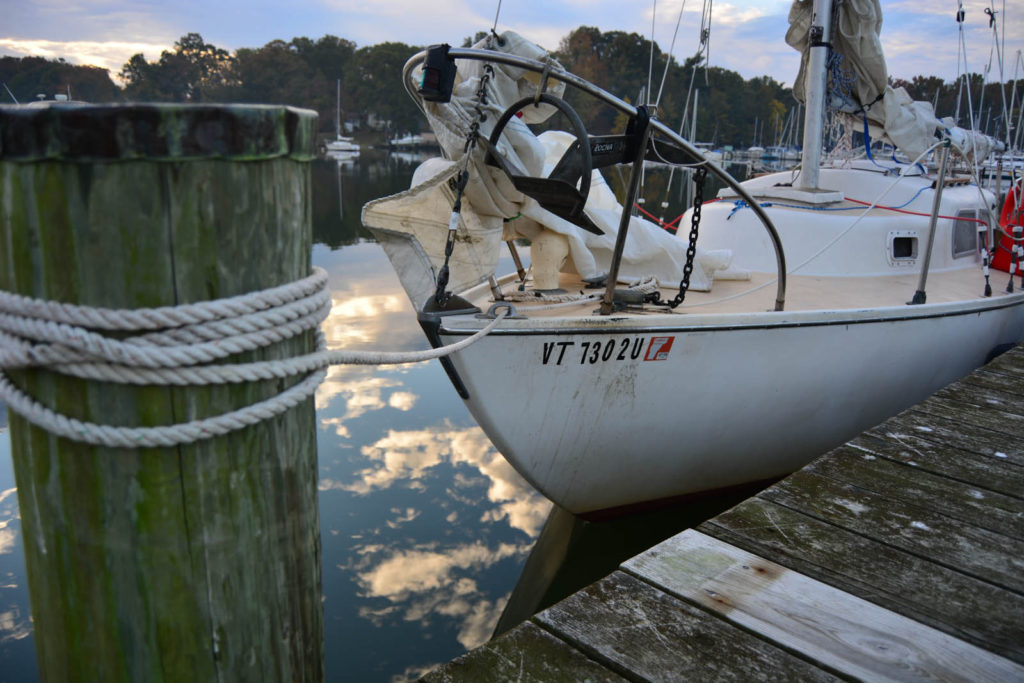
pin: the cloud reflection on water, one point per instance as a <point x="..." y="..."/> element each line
<point x="425" y="521"/>
<point x="423" y="583"/>
<point x="410" y="455"/>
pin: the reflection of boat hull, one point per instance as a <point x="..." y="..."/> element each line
<point x="606" y="425"/>
<point x="341" y="146"/>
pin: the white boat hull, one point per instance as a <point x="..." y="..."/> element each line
<point x="594" y="418"/>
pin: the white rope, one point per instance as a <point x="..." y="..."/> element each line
<point x="179" y="346"/>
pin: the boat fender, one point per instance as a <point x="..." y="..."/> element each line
<point x="1010" y="217"/>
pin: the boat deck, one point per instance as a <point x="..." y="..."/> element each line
<point x="803" y="293"/>
<point x="895" y="556"/>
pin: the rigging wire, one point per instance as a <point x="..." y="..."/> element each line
<point x="668" y="55"/>
<point x="1000" y="47"/>
<point x="650" y="66"/>
<point x="494" y="29"/>
<point x="704" y="52"/>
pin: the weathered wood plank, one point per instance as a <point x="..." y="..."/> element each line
<point x="634" y="627"/>
<point x="980" y="553"/>
<point x="968" y="414"/>
<point x="901" y="483"/>
<point x="964" y="607"/>
<point x="843" y="632"/>
<point x="985" y="378"/>
<point x="1010" y="363"/>
<point x="984" y="398"/>
<point x="956" y="463"/>
<point x="526" y="653"/>
<point x="938" y="429"/>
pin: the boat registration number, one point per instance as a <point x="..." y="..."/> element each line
<point x="606" y="350"/>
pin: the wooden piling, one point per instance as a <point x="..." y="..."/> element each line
<point x="199" y="562"/>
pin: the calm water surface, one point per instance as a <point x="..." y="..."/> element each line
<point x="425" y="528"/>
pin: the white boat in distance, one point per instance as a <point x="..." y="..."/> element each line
<point x="342" y="145"/>
<point x="794" y="332"/>
<point x="407" y="141"/>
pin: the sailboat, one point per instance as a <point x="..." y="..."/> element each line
<point x="341" y="146"/>
<point x="631" y="366"/>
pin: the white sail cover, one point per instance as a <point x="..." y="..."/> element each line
<point x="892" y="115"/>
<point x="650" y="251"/>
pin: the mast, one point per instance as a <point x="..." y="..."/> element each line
<point x="337" y="112"/>
<point x="815" y="87"/>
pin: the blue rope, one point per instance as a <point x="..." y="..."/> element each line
<point x="867" y="148"/>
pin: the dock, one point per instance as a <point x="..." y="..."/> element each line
<point x="897" y="556"/>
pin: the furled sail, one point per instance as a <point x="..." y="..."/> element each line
<point x="858" y="76"/>
<point x="858" y="83"/>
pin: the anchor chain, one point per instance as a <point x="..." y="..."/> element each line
<point x="700" y="173"/>
<point x="442" y="295"/>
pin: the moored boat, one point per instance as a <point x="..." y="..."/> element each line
<point x="792" y="311"/>
<point x="340" y="145"/>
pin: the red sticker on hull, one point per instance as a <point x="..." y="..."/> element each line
<point x="659" y="348"/>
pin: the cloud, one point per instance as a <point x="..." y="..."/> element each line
<point x="402" y="400"/>
<point x="8" y="539"/>
<point x="363" y="390"/>
<point x="13" y="626"/>
<point x="404" y="516"/>
<point x="421" y="584"/>
<point x="414" y="673"/>
<point x="111" y="55"/>
<point x="409" y="455"/>
<point x="415" y="571"/>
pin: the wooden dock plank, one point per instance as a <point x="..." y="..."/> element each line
<point x="901" y="483"/>
<point x="1010" y="363"/>
<point x="991" y="473"/>
<point x="988" y="378"/>
<point x="966" y="414"/>
<point x="527" y="653"/>
<point x="938" y="429"/>
<point x="1000" y="400"/>
<point x="983" y="554"/>
<point x="945" y="599"/>
<point x="629" y="625"/>
<point x="843" y="632"/>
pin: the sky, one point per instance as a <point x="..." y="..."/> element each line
<point x="920" y="37"/>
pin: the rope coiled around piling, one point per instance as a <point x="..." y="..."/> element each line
<point x="179" y="346"/>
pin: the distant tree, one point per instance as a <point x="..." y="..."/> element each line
<point x="28" y="77"/>
<point x="272" y="74"/>
<point x="476" y="38"/>
<point x="327" y="59"/>
<point x="375" y="84"/>
<point x="195" y="71"/>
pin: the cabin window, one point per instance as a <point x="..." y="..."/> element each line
<point x="965" y="233"/>
<point x="902" y="247"/>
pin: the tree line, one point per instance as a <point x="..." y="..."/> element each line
<point x="303" y="72"/>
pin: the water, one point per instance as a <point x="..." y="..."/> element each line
<point x="425" y="529"/>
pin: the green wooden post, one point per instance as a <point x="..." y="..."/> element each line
<point x="200" y="562"/>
